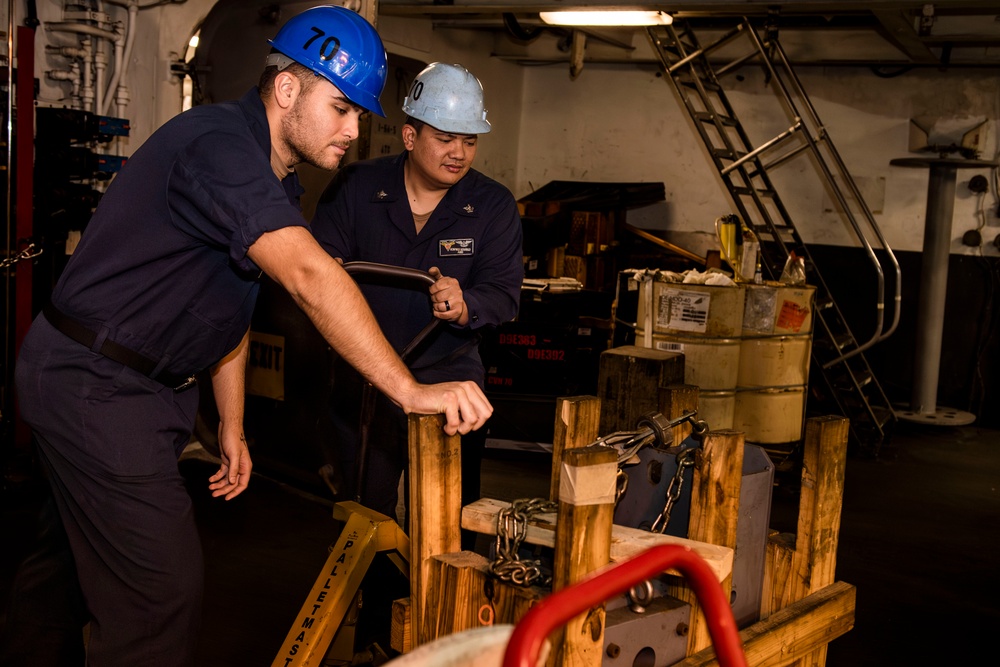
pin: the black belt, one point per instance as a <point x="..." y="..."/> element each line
<point x="112" y="350"/>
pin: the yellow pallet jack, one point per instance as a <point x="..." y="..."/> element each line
<point x="365" y="534"/>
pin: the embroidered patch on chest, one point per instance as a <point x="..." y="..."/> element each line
<point x="456" y="247"/>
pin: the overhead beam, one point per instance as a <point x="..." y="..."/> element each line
<point x="898" y="29"/>
<point x="688" y="8"/>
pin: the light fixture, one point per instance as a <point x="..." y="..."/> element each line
<point x="606" y="18"/>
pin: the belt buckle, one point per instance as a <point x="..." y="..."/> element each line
<point x="190" y="382"/>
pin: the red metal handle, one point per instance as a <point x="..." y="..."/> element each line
<point x="557" y="609"/>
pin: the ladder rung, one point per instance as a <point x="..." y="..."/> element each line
<point x="840" y="341"/>
<point x="726" y="154"/>
<point x="851" y="380"/>
<point x="883" y="415"/>
<point x="708" y="117"/>
<point x="872" y="419"/>
<point x="748" y="192"/>
<point x="707" y="85"/>
<point x="782" y="230"/>
<point x="824" y="303"/>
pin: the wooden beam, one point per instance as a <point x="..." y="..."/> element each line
<point x="629" y="378"/>
<point x="577" y="418"/>
<point x="583" y="544"/>
<point x="481" y="517"/>
<point x="794" y="632"/>
<point x="824" y="459"/>
<point x="435" y="508"/>
<point x="457" y="594"/>
<point x="814" y="562"/>
<point x="715" y="507"/>
<point x="401" y="629"/>
<point x="776" y="587"/>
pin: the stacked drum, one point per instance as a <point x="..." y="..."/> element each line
<point x="745" y="346"/>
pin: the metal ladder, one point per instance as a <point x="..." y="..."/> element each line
<point x="840" y="377"/>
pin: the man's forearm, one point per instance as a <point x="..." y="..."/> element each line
<point x="228" y="383"/>
<point x="331" y="299"/>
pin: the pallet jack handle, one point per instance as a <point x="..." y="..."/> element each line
<point x="556" y="610"/>
<point x="405" y="276"/>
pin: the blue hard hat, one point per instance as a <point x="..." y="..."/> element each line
<point x="340" y="46"/>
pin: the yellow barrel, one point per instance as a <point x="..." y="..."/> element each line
<point x="774" y="361"/>
<point x="711" y="364"/>
<point x="770" y="415"/>
<point x="717" y="408"/>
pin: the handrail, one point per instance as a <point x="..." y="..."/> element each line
<point x="556" y="610"/>
<point x="879" y="332"/>
<point x="856" y="192"/>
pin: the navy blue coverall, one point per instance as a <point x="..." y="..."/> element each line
<point x="162" y="269"/>
<point x="474" y="236"/>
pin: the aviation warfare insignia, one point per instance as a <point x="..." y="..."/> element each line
<point x="456" y="247"/>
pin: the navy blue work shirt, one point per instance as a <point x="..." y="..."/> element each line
<point x="162" y="267"/>
<point x="474" y="236"/>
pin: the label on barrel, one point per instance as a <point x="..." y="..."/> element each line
<point x="792" y="316"/>
<point x="683" y="310"/>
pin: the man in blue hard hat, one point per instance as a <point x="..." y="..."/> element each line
<point x="424" y="209"/>
<point x="162" y="286"/>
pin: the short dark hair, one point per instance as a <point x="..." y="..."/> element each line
<point x="307" y="78"/>
<point x="417" y="124"/>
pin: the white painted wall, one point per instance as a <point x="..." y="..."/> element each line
<point x="624" y="123"/>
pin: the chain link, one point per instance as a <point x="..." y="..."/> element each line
<point x="27" y="253"/>
<point x="512" y="522"/>
<point x="621" y="485"/>
<point x="512" y="527"/>
<point x="685" y="459"/>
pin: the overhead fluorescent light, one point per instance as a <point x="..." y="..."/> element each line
<point x="606" y="18"/>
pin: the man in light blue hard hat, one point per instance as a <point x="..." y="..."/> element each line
<point x="161" y="287"/>
<point x="424" y="209"/>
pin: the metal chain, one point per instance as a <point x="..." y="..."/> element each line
<point x="27" y="253"/>
<point x="628" y="443"/>
<point x="512" y="527"/>
<point x="621" y="485"/>
<point x="685" y="459"/>
<point x="512" y="522"/>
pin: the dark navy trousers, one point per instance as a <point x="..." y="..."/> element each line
<point x="109" y="440"/>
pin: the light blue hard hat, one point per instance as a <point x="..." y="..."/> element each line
<point x="340" y="46"/>
<point x="449" y="98"/>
